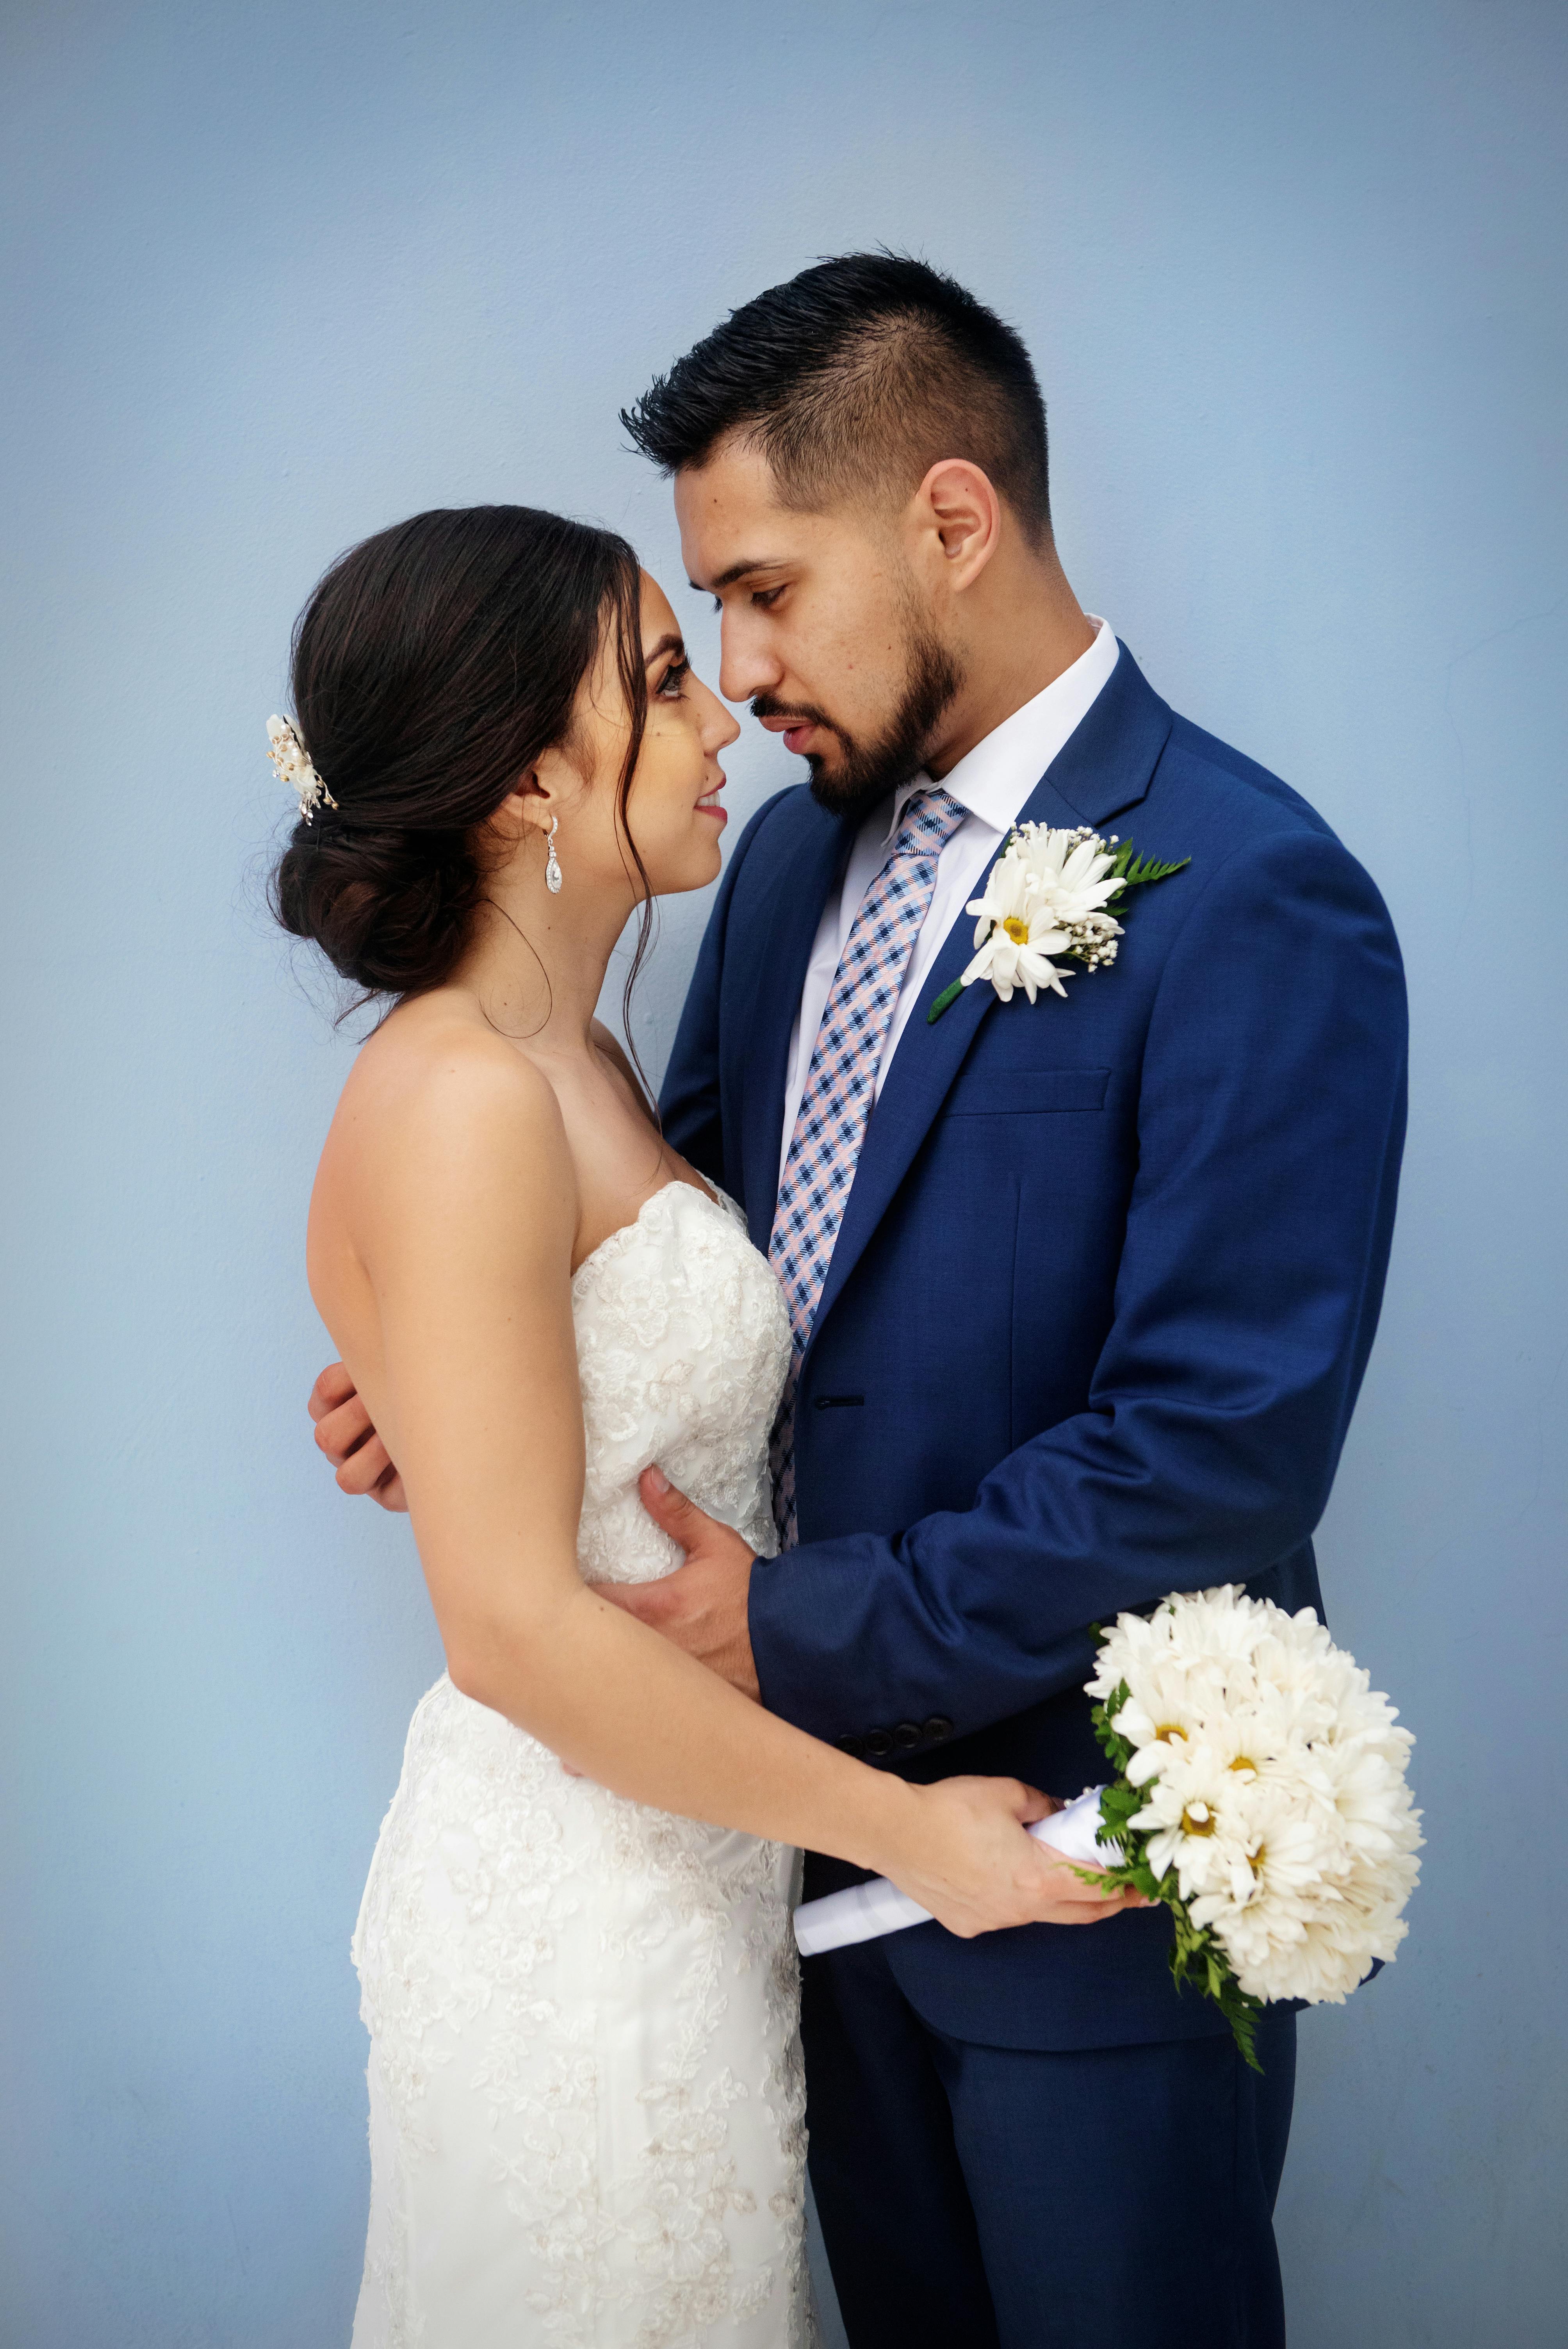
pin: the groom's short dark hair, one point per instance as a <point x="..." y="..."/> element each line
<point x="854" y="379"/>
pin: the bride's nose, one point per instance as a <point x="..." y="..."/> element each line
<point x="722" y="732"/>
<point x="719" y="727"/>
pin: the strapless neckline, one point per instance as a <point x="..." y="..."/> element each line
<point x="624" y="1233"/>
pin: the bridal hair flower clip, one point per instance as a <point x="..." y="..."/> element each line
<point x="287" y="753"/>
<point x="1050" y="893"/>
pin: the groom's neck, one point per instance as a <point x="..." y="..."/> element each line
<point x="1023" y="628"/>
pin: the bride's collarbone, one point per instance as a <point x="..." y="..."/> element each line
<point x="619" y="1158"/>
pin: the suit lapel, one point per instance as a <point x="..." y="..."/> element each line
<point x="1105" y="765"/>
<point x="800" y="886"/>
<point x="1107" y="762"/>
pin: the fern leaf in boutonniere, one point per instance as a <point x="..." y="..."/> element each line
<point x="1131" y="873"/>
<point x="1051" y="892"/>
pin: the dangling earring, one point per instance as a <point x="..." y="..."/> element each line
<point x="551" y="863"/>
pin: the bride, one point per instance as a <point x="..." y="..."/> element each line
<point x="586" y="2105"/>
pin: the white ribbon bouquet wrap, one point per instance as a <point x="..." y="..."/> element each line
<point x="1260" y="1795"/>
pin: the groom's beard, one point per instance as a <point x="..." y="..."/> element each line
<point x="868" y="772"/>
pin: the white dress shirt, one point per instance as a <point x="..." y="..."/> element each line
<point x="993" y="782"/>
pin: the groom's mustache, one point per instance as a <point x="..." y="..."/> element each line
<point x="798" y="713"/>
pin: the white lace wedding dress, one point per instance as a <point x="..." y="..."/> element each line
<point x="586" y="2100"/>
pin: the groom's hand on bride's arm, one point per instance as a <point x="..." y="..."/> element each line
<point x="702" y="1606"/>
<point x="343" y="1432"/>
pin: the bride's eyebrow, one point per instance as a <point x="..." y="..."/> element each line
<point x="668" y="643"/>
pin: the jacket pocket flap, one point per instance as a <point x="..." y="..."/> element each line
<point x="1027" y="1092"/>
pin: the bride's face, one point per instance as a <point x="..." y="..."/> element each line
<point x="674" y="811"/>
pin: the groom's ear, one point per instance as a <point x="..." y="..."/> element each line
<point x="957" y="514"/>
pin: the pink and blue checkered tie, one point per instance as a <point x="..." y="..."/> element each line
<point x="835" y="1105"/>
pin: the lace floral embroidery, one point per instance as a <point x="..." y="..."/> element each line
<point x="588" y="2107"/>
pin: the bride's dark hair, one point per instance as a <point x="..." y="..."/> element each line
<point x="432" y="666"/>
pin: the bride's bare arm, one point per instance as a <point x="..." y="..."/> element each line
<point x="343" y="1428"/>
<point x="467" y="1232"/>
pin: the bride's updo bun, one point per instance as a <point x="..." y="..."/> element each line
<point x="433" y="666"/>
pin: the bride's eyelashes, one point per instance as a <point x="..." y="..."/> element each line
<point x="670" y="685"/>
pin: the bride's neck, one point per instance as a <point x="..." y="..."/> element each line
<point x="537" y="963"/>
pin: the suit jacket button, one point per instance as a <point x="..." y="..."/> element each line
<point x="906" y="1736"/>
<point x="939" y="1728"/>
<point x="876" y="1743"/>
<point x="849" y="1745"/>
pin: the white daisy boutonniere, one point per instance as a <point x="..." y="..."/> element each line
<point x="1050" y="893"/>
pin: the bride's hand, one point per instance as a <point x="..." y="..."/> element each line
<point x="964" y="1854"/>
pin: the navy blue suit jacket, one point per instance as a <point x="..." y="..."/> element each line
<point x="1099" y="1307"/>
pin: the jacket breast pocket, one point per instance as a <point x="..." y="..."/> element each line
<point x="1027" y="1092"/>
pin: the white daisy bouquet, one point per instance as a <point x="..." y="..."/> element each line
<point x="1260" y="1795"/>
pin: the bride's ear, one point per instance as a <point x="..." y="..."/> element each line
<point x="530" y="806"/>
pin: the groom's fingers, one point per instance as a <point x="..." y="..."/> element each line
<point x="680" y="1518"/>
<point x="702" y="1606"/>
<point x="333" y="1387"/>
<point x="357" y="1451"/>
<point x="340" y="1431"/>
<point x="368" y="1469"/>
<point x="705" y="1540"/>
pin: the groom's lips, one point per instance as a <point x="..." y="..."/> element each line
<point x="794" y="729"/>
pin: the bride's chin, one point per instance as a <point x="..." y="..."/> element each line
<point x="695" y="870"/>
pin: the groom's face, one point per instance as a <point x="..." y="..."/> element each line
<point x="823" y="627"/>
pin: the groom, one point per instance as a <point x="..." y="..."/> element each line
<point x="1082" y="1289"/>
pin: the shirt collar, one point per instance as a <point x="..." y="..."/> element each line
<point x="995" y="778"/>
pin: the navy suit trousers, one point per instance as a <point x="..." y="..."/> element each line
<point x="978" y="2198"/>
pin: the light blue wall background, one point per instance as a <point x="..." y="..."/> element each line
<point x="278" y="276"/>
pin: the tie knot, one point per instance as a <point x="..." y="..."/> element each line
<point x="931" y="817"/>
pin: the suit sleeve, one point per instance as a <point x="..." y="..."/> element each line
<point x="1270" y="1125"/>
<point x="689" y="1097"/>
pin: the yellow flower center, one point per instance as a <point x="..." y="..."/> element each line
<point x="1168" y="1732"/>
<point x="1243" y="1762"/>
<point x="1016" y="930"/>
<point x="1197" y="1819"/>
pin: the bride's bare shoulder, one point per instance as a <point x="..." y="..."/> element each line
<point x="438" y="1107"/>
